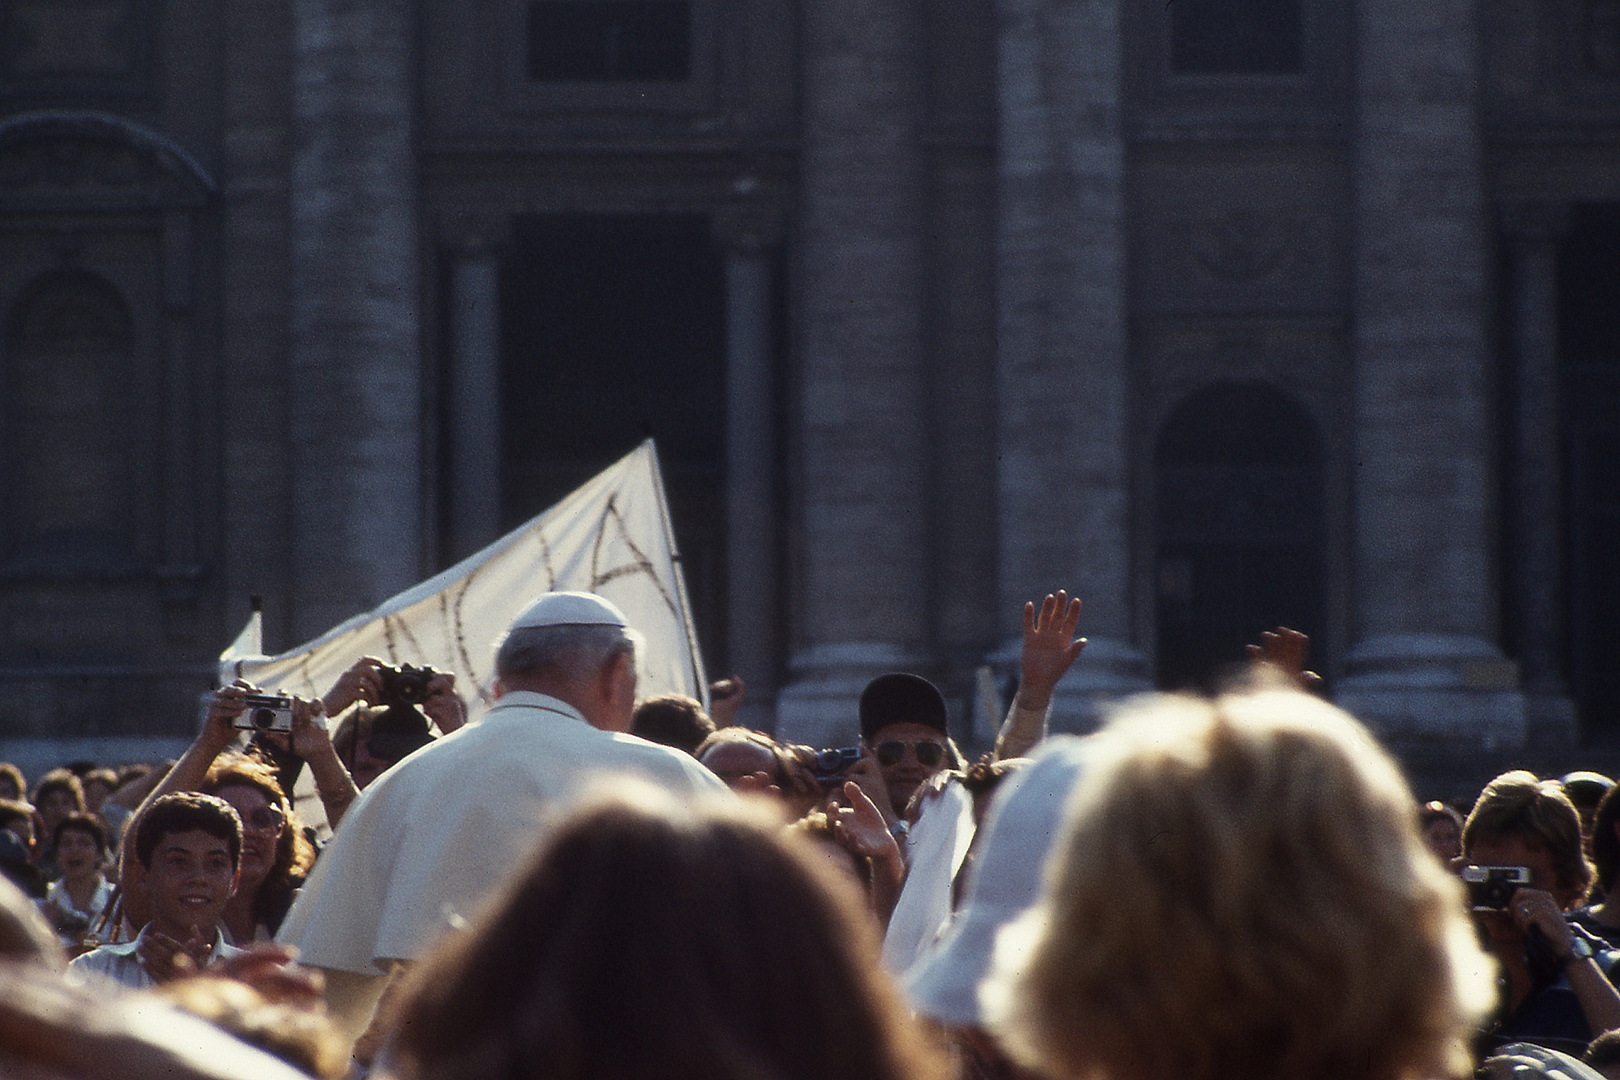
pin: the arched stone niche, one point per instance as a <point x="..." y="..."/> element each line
<point x="104" y="228"/>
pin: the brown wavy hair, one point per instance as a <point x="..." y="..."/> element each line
<point x="651" y="939"/>
<point x="294" y="853"/>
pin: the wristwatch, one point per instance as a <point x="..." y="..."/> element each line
<point x="1579" y="949"/>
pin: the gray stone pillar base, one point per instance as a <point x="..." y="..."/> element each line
<point x="1108" y="671"/>
<point x="1426" y="690"/>
<point x="821" y="705"/>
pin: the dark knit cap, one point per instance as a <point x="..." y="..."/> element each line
<point x="899" y="698"/>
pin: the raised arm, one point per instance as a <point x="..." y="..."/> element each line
<point x="1050" y="649"/>
<point x="217" y="734"/>
<point x="312" y="742"/>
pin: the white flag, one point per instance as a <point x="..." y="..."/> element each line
<point x="249" y="645"/>
<point x="611" y="537"/>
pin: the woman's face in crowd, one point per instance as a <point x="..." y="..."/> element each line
<point x="1444" y="839"/>
<point x="261" y="829"/>
<point x="78" y="854"/>
<point x="53" y="806"/>
<point x="95" y="793"/>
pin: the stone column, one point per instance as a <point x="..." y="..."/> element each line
<point x="1537" y="512"/>
<point x="861" y="588"/>
<point x="747" y="235"/>
<point x="1062" y="338"/>
<point x="354" y="380"/>
<point x="475" y="415"/>
<point x="1424" y="666"/>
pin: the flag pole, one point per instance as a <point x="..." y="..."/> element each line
<point x="698" y="676"/>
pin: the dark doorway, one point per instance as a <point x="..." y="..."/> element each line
<point x="1238" y="470"/>
<point x="1589" y="347"/>
<point x="613" y="329"/>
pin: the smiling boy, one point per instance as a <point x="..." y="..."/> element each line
<point x="189" y="847"/>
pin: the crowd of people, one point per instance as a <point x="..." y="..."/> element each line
<point x="583" y="884"/>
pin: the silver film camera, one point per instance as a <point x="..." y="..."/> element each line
<point x="265" y="712"/>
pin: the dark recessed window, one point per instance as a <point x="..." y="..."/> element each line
<point x="610" y="41"/>
<point x="1235" y="37"/>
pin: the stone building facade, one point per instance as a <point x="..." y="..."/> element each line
<point x="1220" y="313"/>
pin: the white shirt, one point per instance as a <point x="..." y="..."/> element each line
<point x="431" y="837"/>
<point x="122" y="963"/>
<point x="59" y="898"/>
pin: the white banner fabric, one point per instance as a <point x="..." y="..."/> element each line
<point x="611" y="537"/>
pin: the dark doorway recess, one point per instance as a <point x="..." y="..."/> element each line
<point x="1589" y="349"/>
<point x="1238" y="509"/>
<point x="613" y="329"/>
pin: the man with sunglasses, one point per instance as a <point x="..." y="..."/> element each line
<point x="903" y="740"/>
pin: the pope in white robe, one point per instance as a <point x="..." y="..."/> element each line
<point x="433" y="836"/>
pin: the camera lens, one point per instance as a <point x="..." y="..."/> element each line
<point x="264" y="719"/>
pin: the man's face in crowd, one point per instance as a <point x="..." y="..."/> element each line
<point x="1516" y="851"/>
<point x="620" y="701"/>
<point x="189" y="882"/>
<point x="907" y="754"/>
<point x="367" y="766"/>
<point x="1444" y="838"/>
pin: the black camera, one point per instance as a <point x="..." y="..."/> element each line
<point x="265" y="712"/>
<point x="405" y="685"/>
<point x="1491" y="888"/>
<point x="401" y="728"/>
<point x="831" y="765"/>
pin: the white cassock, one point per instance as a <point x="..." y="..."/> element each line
<point x="431" y="837"/>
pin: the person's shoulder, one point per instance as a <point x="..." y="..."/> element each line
<point x="103" y="958"/>
<point x="667" y="762"/>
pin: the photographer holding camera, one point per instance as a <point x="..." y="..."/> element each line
<point x="384" y="713"/>
<point x="364" y="682"/>
<point x="1556" y="988"/>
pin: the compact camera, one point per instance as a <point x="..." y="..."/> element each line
<point x="831" y="765"/>
<point x="405" y="685"/>
<point x="1491" y="888"/>
<point x="265" y="712"/>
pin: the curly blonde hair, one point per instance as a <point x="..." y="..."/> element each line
<point x="1242" y="894"/>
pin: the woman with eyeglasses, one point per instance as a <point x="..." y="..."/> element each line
<point x="276" y="855"/>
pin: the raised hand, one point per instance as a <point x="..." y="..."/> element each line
<point x="725" y="695"/>
<point x="1287" y="650"/>
<point x="866" y="776"/>
<point x="1050" y="647"/>
<point x="360" y="683"/>
<point x="443" y="705"/>
<point x="859" y="827"/>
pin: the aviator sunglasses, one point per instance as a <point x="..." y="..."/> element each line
<point x="928" y="753"/>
